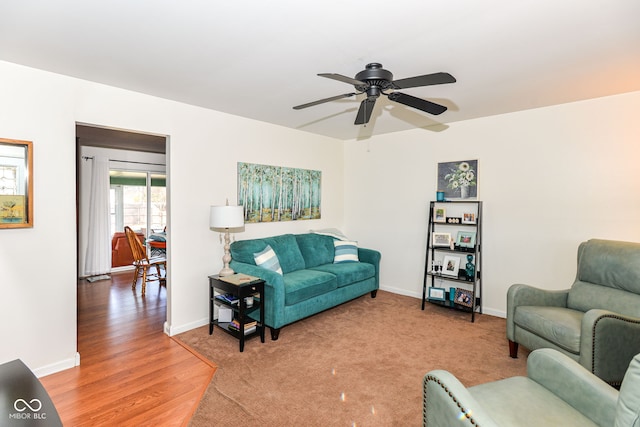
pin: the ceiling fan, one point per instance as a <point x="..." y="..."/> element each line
<point x="375" y="81"/>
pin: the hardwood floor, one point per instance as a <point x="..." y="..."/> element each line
<point x="130" y="373"/>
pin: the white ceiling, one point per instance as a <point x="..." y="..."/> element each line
<point x="258" y="59"/>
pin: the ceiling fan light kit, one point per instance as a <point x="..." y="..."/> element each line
<point x="375" y="81"/>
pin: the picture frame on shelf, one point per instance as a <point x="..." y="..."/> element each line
<point x="450" y="266"/>
<point x="437" y="294"/>
<point x="439" y="214"/>
<point x="463" y="297"/>
<point x="466" y="239"/>
<point x="469" y="218"/>
<point x="441" y="239"/>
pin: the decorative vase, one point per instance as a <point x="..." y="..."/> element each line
<point x="470" y="269"/>
<point x="464" y="191"/>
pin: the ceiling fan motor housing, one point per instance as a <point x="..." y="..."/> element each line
<point x="377" y="79"/>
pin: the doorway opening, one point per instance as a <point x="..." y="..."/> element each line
<point x="137" y="196"/>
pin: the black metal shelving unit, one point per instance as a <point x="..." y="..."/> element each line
<point x="457" y="218"/>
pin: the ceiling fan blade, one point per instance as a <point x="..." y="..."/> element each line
<point x="426" y="80"/>
<point x="344" y="79"/>
<point x="418" y="103"/>
<point x="322" y="101"/>
<point x="364" y="113"/>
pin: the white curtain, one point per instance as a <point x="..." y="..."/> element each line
<point x="98" y="259"/>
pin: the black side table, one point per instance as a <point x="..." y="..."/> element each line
<point x="241" y="291"/>
<point x="23" y="399"/>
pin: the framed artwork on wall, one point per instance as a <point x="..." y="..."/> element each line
<point x="16" y="183"/>
<point x="276" y="193"/>
<point x="459" y="179"/>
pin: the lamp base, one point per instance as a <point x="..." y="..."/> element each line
<point x="226" y="272"/>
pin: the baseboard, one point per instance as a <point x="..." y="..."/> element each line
<point x="175" y="330"/>
<point x="490" y="311"/>
<point x="400" y="291"/>
<point x="58" y="366"/>
<point x="494" y="312"/>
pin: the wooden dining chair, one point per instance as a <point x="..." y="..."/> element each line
<point x="143" y="263"/>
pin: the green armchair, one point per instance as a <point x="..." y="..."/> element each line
<point x="596" y="322"/>
<point x="556" y="392"/>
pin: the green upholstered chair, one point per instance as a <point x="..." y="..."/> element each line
<point x="596" y="322"/>
<point x="556" y="392"/>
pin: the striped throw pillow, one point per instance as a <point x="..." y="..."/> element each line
<point x="345" y="251"/>
<point x="268" y="259"/>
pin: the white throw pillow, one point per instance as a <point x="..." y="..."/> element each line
<point x="268" y="259"/>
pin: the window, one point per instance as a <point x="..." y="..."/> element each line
<point x="139" y="200"/>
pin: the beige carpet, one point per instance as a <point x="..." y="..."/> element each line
<point x="359" y="364"/>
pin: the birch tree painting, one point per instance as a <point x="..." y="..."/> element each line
<point x="275" y="193"/>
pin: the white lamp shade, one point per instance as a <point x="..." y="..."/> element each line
<point x="226" y="217"/>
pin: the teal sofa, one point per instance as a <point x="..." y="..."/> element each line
<point x="557" y="391"/>
<point x="310" y="281"/>
<point x="596" y="322"/>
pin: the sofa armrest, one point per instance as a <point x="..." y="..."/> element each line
<point x="519" y="294"/>
<point x="372" y="257"/>
<point x="572" y="383"/>
<point x="609" y="341"/>
<point x="445" y="399"/>
<point x="273" y="289"/>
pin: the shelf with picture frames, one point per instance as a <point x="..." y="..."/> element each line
<point x="453" y="259"/>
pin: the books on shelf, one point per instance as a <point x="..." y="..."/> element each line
<point x="239" y="279"/>
<point x="228" y="298"/>
<point x="249" y="327"/>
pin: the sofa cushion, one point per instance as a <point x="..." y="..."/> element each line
<point x="585" y="296"/>
<point x="285" y="247"/>
<point x="268" y="259"/>
<point x="346" y="251"/>
<point x="300" y="285"/>
<point x="348" y="272"/>
<point x="558" y="325"/>
<point x="519" y="401"/>
<point x="316" y="249"/>
<point x="610" y="263"/>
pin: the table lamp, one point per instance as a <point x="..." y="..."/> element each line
<point x="226" y="217"/>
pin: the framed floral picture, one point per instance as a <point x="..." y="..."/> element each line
<point x="458" y="180"/>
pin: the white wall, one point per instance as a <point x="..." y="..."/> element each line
<point x="38" y="266"/>
<point x="549" y="178"/>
